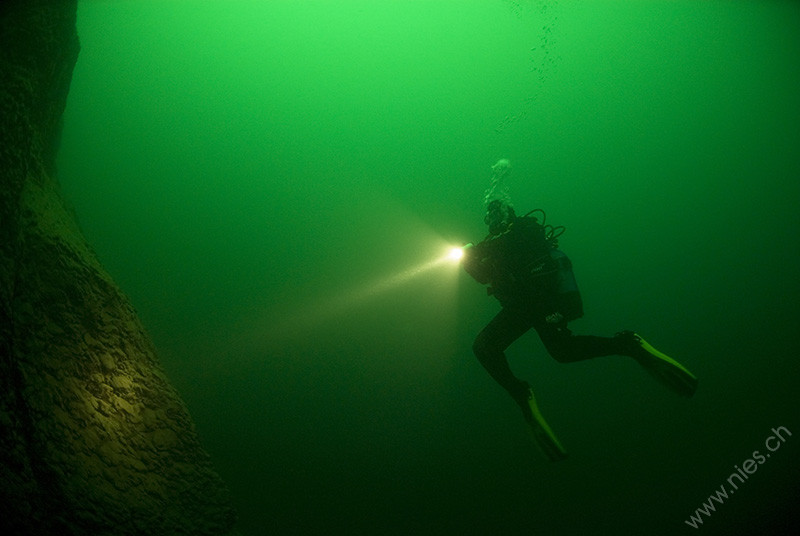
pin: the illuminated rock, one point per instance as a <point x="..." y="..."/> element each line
<point x="93" y="439"/>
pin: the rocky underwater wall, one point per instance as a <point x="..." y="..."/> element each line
<point x="93" y="439"/>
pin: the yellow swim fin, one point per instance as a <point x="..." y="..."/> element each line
<point x="542" y="433"/>
<point x="663" y="368"/>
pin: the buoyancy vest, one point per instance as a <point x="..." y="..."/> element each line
<point x="524" y="267"/>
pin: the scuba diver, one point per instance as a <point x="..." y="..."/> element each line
<point x="533" y="280"/>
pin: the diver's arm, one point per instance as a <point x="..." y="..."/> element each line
<point x="476" y="263"/>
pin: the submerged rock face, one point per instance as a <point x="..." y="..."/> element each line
<point x="93" y="439"/>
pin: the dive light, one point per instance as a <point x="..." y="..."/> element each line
<point x="456" y="254"/>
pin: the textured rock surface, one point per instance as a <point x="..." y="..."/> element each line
<point x="93" y="439"/>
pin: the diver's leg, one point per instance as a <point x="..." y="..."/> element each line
<point x="565" y="347"/>
<point x="490" y="346"/>
<point x="568" y="348"/>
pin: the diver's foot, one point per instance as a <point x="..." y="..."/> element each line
<point x="663" y="368"/>
<point x="540" y="431"/>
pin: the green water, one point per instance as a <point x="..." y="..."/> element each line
<point x="259" y="177"/>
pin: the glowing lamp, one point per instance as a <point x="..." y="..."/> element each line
<point x="456" y="254"/>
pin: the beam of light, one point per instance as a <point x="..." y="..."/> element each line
<point x="404" y="311"/>
<point x="393" y="281"/>
<point x="306" y="317"/>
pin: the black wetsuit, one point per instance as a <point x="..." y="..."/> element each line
<point x="536" y="287"/>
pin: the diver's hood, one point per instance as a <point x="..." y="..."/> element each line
<point x="499" y="216"/>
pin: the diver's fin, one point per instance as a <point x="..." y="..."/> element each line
<point x="664" y="369"/>
<point x="541" y="431"/>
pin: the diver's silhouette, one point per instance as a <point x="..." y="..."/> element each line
<point x="534" y="282"/>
